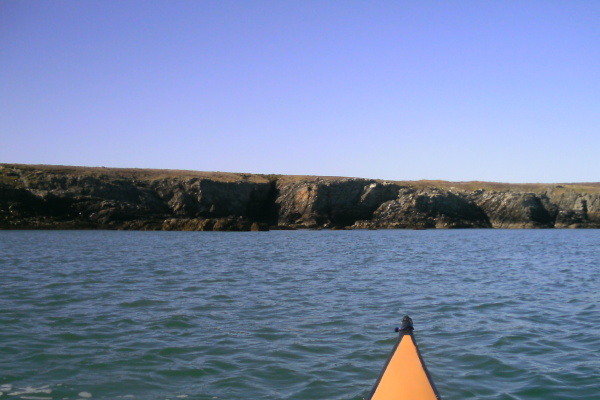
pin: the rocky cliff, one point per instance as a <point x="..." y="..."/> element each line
<point x="57" y="197"/>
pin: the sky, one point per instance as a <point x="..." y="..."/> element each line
<point x="505" y="91"/>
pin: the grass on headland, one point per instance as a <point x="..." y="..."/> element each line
<point x="13" y="174"/>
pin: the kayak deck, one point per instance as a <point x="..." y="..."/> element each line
<point x="405" y="375"/>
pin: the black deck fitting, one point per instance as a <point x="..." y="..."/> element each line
<point x="407" y="324"/>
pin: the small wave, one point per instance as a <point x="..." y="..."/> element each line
<point x="171" y="351"/>
<point x="286" y="355"/>
<point x="70" y="337"/>
<point x="189" y="372"/>
<point x="313" y="349"/>
<point x="174" y="322"/>
<point x="221" y="297"/>
<point x="488" y="306"/>
<point x="29" y="390"/>
<point x="511" y="340"/>
<point x="142" y="303"/>
<point x="271" y="336"/>
<point x="178" y="324"/>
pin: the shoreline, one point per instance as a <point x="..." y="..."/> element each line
<point x="65" y="197"/>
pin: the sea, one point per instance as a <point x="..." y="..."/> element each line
<point x="498" y="314"/>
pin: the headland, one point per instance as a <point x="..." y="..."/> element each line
<point x="68" y="197"/>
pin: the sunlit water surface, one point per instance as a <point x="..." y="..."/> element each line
<point x="296" y="314"/>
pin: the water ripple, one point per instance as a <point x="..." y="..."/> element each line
<point x="296" y="315"/>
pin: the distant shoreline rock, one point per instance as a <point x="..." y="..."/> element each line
<point x="63" y="197"/>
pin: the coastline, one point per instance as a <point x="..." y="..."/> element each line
<point x="67" y="197"/>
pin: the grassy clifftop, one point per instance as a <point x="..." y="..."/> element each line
<point x="36" y="172"/>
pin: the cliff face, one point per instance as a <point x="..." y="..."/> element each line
<point x="323" y="203"/>
<point x="515" y="210"/>
<point x="46" y="197"/>
<point x="429" y="208"/>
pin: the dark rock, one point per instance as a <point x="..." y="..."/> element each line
<point x="576" y="209"/>
<point x="514" y="210"/>
<point x="433" y="208"/>
<point x="232" y="225"/>
<point x="259" y="227"/>
<point x="318" y="202"/>
<point x="47" y="197"/>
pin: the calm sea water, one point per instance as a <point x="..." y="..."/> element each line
<point x="499" y="314"/>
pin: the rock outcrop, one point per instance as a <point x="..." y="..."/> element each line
<point x="425" y="209"/>
<point x="53" y="197"/>
<point x="515" y="210"/>
<point x="575" y="208"/>
<point x="330" y="203"/>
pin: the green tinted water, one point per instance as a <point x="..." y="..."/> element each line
<point x="296" y="315"/>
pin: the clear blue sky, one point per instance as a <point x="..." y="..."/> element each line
<point x="401" y="90"/>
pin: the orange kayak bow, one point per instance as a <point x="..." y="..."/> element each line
<point x="404" y="375"/>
